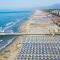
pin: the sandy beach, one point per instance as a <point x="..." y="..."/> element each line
<point x="33" y="25"/>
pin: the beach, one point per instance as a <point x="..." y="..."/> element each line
<point x="38" y="23"/>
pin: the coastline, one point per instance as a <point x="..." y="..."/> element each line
<point x="29" y="26"/>
<point x="11" y="51"/>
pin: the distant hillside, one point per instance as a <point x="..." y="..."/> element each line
<point x="55" y="6"/>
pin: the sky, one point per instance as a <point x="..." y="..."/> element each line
<point x="18" y="4"/>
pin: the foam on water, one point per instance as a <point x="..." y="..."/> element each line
<point x="10" y="22"/>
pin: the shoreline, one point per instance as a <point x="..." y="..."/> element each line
<point x="19" y="30"/>
<point x="11" y="51"/>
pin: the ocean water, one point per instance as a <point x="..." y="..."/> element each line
<point x="10" y="22"/>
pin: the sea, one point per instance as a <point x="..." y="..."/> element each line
<point x="10" y="22"/>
